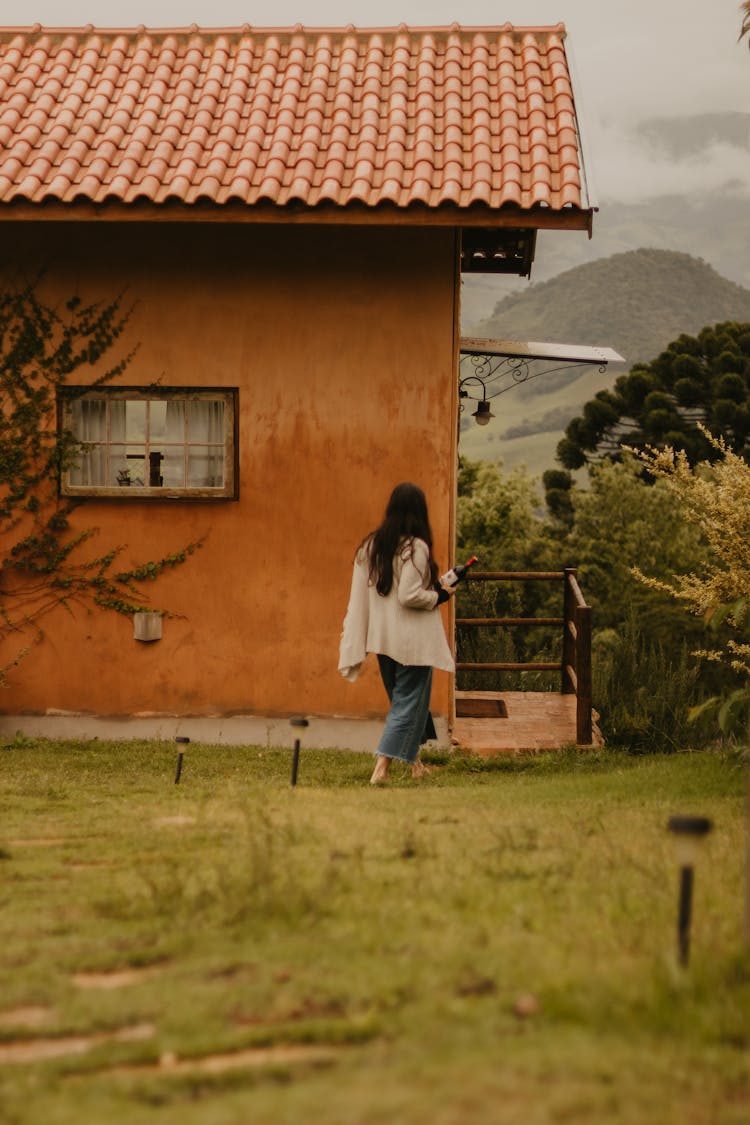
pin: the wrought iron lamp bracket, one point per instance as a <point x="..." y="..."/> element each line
<point x="499" y="366"/>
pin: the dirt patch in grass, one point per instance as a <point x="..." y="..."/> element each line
<point x="29" y="1016"/>
<point x="117" y="978"/>
<point x="38" y="842"/>
<point x="36" y="1050"/>
<point x="87" y="865"/>
<point x="308" y="1008"/>
<point x="249" y="1057"/>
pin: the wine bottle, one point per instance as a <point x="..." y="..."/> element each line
<point x="453" y="576"/>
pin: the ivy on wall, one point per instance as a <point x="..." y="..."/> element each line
<point x="42" y="566"/>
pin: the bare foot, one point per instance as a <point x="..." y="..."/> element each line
<point x="419" y="769"/>
<point x="380" y="773"/>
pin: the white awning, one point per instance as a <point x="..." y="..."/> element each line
<point x="533" y="349"/>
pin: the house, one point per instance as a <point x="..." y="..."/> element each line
<point x="289" y="211"/>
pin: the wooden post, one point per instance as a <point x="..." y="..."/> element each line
<point x="747" y="860"/>
<point x="569" y="643"/>
<point x="746" y="912"/>
<point x="584" y="701"/>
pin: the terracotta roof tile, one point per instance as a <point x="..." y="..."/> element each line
<point x="391" y="115"/>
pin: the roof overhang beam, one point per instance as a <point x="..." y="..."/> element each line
<point x="446" y="215"/>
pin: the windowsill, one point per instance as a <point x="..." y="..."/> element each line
<point x="130" y="495"/>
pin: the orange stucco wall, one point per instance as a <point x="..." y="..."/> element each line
<point x="341" y="342"/>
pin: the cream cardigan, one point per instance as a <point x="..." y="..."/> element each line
<point x="404" y="624"/>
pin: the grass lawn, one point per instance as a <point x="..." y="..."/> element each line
<point x="493" y="944"/>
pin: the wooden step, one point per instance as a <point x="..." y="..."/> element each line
<point x="480" y="705"/>
<point x="535" y="721"/>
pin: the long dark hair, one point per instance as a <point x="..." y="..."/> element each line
<point x="405" y="520"/>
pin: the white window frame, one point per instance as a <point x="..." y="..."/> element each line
<point x="228" y="490"/>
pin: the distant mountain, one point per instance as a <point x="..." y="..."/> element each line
<point x="635" y="302"/>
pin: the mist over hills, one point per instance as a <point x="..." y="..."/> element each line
<point x="680" y="137"/>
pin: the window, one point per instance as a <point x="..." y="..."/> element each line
<point x="135" y="443"/>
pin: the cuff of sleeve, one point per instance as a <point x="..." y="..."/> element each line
<point x="351" y="672"/>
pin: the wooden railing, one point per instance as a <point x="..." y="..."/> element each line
<point x="574" y="666"/>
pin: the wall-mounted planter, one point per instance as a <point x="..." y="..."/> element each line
<point x="147" y="626"/>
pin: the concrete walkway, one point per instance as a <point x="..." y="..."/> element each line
<point x="535" y="721"/>
<point x="324" y="732"/>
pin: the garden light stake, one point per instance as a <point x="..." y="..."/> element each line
<point x="688" y="831"/>
<point x="295" y="756"/>
<point x="181" y="741"/>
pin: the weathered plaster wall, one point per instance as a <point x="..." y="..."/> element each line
<point x="341" y="341"/>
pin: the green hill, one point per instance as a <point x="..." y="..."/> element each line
<point x="635" y="302"/>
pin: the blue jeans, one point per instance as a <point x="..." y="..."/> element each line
<point x="408" y="688"/>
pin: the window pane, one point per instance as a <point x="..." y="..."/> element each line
<point x="155" y="475"/>
<point x="176" y="420"/>
<point x="205" y="467"/>
<point x="173" y="466"/>
<point x="89" y="424"/>
<point x="127" y="466"/>
<point x="205" y="421"/>
<point x="90" y="419"/>
<point x="90" y="466"/>
<point x="117" y="419"/>
<point x="157" y="422"/>
<point x="135" y="421"/>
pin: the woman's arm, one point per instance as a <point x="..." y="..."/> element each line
<point x="354" y="632"/>
<point x="414" y="588"/>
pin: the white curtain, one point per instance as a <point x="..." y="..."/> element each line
<point x="173" y="463"/>
<point x="90" y="428"/>
<point x="206" y="421"/>
<point x="117" y="409"/>
<point x="206" y="443"/>
<point x="118" y="462"/>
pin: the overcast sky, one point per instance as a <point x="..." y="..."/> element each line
<point x="633" y="59"/>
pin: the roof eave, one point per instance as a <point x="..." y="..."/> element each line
<point x="447" y="215"/>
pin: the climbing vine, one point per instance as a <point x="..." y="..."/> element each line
<point x="41" y="564"/>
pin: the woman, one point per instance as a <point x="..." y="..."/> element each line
<point x="392" y="612"/>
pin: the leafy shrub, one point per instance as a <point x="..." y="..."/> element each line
<point x="643" y="689"/>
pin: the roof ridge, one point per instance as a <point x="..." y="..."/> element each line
<point x="245" y="28"/>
